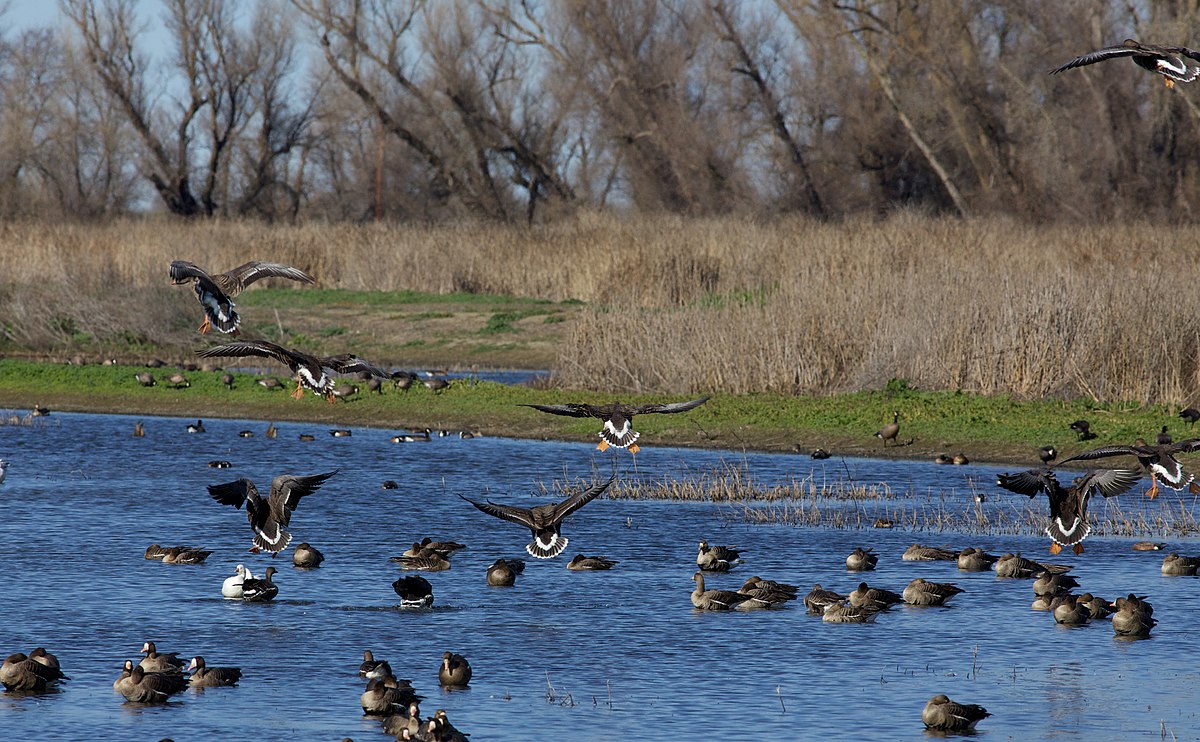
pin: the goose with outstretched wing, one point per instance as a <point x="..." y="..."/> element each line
<point x="1068" y="505"/>
<point x="216" y="291"/>
<point x="544" y="521"/>
<point x="269" y="518"/>
<point x="309" y="370"/>
<point x="618" y="429"/>
<point x="1167" y="61"/>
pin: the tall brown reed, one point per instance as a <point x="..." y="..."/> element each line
<point x="793" y="306"/>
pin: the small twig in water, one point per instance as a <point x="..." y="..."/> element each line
<point x="780" y="694"/>
<point x="974" y="663"/>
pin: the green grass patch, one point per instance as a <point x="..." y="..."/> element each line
<point x="992" y="428"/>
<point x="330" y="332"/>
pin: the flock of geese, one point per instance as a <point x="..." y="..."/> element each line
<point x="158" y="676"/>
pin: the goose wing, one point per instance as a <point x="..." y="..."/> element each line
<point x="1030" y="483"/>
<point x="1104" y="452"/>
<point x="243" y="348"/>
<point x="1190" y="445"/>
<point x="349" y="364"/>
<point x="669" y="407"/>
<point x="520" y="516"/>
<point x="287" y="491"/>
<point x="233" y="493"/>
<point x="569" y="410"/>
<point x="1129" y="49"/>
<point x="181" y="270"/>
<point x="236" y="280"/>
<point x="579" y="499"/>
<point x="1109" y="482"/>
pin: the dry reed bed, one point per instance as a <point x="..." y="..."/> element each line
<point x="731" y="483"/>
<point x="681" y="305"/>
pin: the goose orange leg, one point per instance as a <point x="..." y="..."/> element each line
<point x="1055" y="548"/>
<point x="204" y="328"/>
<point x="1153" y="491"/>
<point x="1077" y="548"/>
<point x="634" y="448"/>
<point x="299" y="391"/>
<point x="603" y="446"/>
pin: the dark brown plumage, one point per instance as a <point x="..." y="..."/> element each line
<point x="618" y="429"/>
<point x="268" y="518"/>
<point x="309" y="370"/>
<point x="1068" y="505"/>
<point x="1164" y="60"/>
<point x="216" y="291"/>
<point x="1159" y="461"/>
<point x="544" y="521"/>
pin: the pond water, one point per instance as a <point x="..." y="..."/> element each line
<point x="625" y="653"/>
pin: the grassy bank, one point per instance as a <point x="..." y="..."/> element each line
<point x="984" y="428"/>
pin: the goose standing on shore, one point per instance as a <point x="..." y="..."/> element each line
<point x="544" y="521"/>
<point x="216" y="292"/>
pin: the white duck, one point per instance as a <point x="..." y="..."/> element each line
<point x="232" y="587"/>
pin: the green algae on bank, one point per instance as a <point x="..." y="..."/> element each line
<point x="996" y="429"/>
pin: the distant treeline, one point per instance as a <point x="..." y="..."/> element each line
<point x="529" y="110"/>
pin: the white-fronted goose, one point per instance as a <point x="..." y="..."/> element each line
<point x="919" y="553"/>
<point x="204" y="676"/>
<point x="145" y="378"/>
<point x="1133" y="617"/>
<point x="975" y="560"/>
<point x="767" y="593"/>
<point x="818" y="599"/>
<point x="862" y="560"/>
<point x="232" y="587"/>
<point x="503" y="572"/>
<point x="544" y="521"/>
<point x="405" y="723"/>
<point x="715" y="600"/>
<point x="445" y="548"/>
<point x="843" y="612"/>
<point x="156" y="661"/>
<point x="455" y="671"/>
<point x="306" y="556"/>
<point x="387" y="696"/>
<point x="1070" y="612"/>
<point x="943" y="715"/>
<point x="1017" y="566"/>
<point x="427" y="560"/>
<point x="1175" y="565"/>
<point x="414" y="591"/>
<point x="185" y="555"/>
<point x="369" y="663"/>
<point x="141" y="686"/>
<point x="309" y="370"/>
<point x="179" y="381"/>
<point x="155" y="552"/>
<point x="1042" y="603"/>
<point x="876" y="598"/>
<point x="618" y="429"/>
<point x="20" y="672"/>
<point x="260" y="590"/>
<point x="717" y="558"/>
<point x="1097" y="608"/>
<point x="217" y="291"/>
<point x="39" y="654"/>
<point x="269" y="517"/>
<point x="1053" y="585"/>
<point x="922" y="592"/>
<point x="891" y="430"/>
<point x="1068" y="505"/>
<point x="1159" y="461"/>
<point x="581" y="563"/>
<point x="1167" y="61"/>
